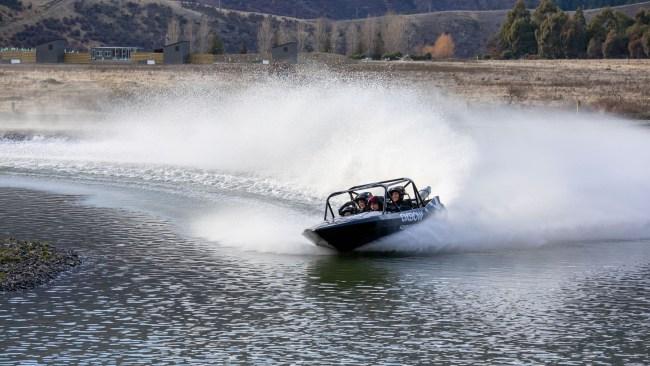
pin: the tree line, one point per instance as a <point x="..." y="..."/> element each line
<point x="388" y="37"/>
<point x="548" y="32"/>
<point x="203" y="38"/>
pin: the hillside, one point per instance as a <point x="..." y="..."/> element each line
<point x="355" y="9"/>
<point x="145" y="23"/>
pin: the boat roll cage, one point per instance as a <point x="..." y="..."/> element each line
<point x="385" y="184"/>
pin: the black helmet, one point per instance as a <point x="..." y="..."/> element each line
<point x="365" y="197"/>
<point x="349" y="208"/>
<point x="398" y="189"/>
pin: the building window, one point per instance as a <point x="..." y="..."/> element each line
<point x="177" y="48"/>
<point x="49" y="47"/>
<point x="286" y="49"/>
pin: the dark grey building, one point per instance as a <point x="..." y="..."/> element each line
<point x="285" y="53"/>
<point x="51" y="52"/>
<point x="177" y="53"/>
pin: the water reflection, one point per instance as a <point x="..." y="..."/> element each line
<point x="347" y="272"/>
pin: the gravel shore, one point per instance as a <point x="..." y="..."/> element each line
<point x="28" y="264"/>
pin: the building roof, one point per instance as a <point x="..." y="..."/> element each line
<point x="115" y="47"/>
<point x="175" y="43"/>
<point x="284" y="44"/>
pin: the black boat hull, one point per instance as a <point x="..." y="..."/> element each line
<point x="348" y="234"/>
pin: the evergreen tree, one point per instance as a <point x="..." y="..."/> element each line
<point x="598" y="26"/>
<point x="609" y="28"/>
<point x="517" y="12"/>
<point x="549" y="36"/>
<point x="622" y="21"/>
<point x="595" y="48"/>
<point x="522" y="38"/>
<point x="545" y="9"/>
<point x="551" y="33"/>
<point x="635" y="48"/>
<point x="642" y="17"/>
<point x="517" y="34"/>
<point x="635" y="34"/>
<point x="615" y="45"/>
<point x="574" y="36"/>
<point x="645" y="41"/>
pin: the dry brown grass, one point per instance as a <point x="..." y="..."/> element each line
<point x="616" y="86"/>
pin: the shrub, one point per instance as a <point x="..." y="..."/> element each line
<point x="425" y="57"/>
<point x="392" y="56"/>
<point x="506" y="55"/>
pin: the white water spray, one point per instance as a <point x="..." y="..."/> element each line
<point x="508" y="177"/>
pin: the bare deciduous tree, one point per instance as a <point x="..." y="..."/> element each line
<point x="284" y="33"/>
<point x="173" y="31"/>
<point x="335" y="45"/>
<point x="353" y="38"/>
<point x="265" y="37"/>
<point x="203" y="35"/>
<point x="337" y="41"/>
<point x="301" y="35"/>
<point x="411" y="36"/>
<point x="394" y="30"/>
<point x="322" y="36"/>
<point x="369" y="34"/>
<point x="443" y="48"/>
<point x="188" y="34"/>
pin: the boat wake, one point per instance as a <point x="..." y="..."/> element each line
<point x="265" y="156"/>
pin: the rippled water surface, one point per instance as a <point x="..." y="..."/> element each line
<point x="148" y="295"/>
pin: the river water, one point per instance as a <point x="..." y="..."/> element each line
<point x="187" y="210"/>
<point x="147" y="295"/>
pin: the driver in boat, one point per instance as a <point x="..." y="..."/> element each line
<point x="376" y="203"/>
<point x="362" y="201"/>
<point x="397" y="203"/>
<point x="348" y="209"/>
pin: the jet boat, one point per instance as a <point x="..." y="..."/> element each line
<point x="347" y="233"/>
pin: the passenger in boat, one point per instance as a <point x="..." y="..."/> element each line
<point x="376" y="203"/>
<point x="362" y="201"/>
<point x="397" y="203"/>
